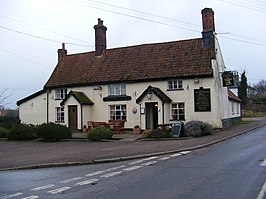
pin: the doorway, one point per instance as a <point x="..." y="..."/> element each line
<point x="151" y="115"/>
<point x="73" y="117"/>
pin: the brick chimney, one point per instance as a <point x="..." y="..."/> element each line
<point x="100" y="38"/>
<point x="208" y="33"/>
<point x="61" y="52"/>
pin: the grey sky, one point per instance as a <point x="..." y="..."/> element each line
<point x="31" y="31"/>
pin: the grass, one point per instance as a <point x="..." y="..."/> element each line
<point x="242" y="122"/>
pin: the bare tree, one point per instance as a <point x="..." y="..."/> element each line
<point x="3" y="97"/>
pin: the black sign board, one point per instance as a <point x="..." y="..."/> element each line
<point x="176" y="129"/>
<point x="202" y="100"/>
<point x="228" y="79"/>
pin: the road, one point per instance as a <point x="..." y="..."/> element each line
<point x="233" y="169"/>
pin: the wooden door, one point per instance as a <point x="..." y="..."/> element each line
<point x="73" y="117"/>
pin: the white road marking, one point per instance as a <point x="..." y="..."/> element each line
<point x="111" y="174"/>
<point x="87" y="182"/>
<point x="142" y="160"/>
<point x="103" y="171"/>
<point x="185" y="152"/>
<point x="175" y="155"/>
<point x="132" y="168"/>
<point x="149" y="163"/>
<point x="31" y="197"/>
<point x="263" y="163"/>
<point x="11" y="195"/>
<point x="95" y="173"/>
<point x="114" y="168"/>
<point x="59" y="190"/>
<point x="262" y="191"/>
<point x="164" y="158"/>
<point x="43" y="187"/>
<point x="71" y="180"/>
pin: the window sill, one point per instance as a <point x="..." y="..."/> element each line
<point x="177" y="89"/>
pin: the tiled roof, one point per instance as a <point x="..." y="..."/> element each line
<point x="178" y="59"/>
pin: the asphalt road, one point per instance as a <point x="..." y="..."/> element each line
<point x="233" y="169"/>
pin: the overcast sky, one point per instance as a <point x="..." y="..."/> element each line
<point x="31" y="32"/>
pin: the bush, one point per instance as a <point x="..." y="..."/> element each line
<point x="22" y="132"/>
<point x="197" y="128"/>
<point x="99" y="133"/>
<point x="146" y="133"/>
<point x="156" y="133"/>
<point x="3" y="132"/>
<point x="54" y="132"/>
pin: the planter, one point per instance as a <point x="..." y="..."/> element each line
<point x="136" y="131"/>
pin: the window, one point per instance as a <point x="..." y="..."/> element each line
<point x="118" y="112"/>
<point x="178" y="111"/>
<point x="117" y="89"/>
<point x="233" y="108"/>
<point x="60" y="114"/>
<point x="60" y="93"/>
<point x="175" y="84"/>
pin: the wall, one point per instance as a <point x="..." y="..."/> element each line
<point x="34" y="110"/>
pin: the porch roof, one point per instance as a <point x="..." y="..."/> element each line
<point x="81" y="97"/>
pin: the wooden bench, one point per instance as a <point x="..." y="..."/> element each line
<point x="118" y="125"/>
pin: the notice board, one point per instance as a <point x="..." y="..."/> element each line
<point x="202" y="99"/>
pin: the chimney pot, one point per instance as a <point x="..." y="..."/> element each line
<point x="208" y="20"/>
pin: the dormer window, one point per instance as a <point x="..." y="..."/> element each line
<point x="117" y="89"/>
<point x="175" y="84"/>
<point x="60" y="93"/>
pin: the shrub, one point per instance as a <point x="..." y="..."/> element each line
<point x="54" y="132"/>
<point x="99" y="133"/>
<point x="22" y="132"/>
<point x="146" y="133"/>
<point x="197" y="128"/>
<point x="3" y="132"/>
<point x="156" y="133"/>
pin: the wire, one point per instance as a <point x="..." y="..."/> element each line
<point x="29" y="60"/>
<point x="34" y="26"/>
<point x="43" y="38"/>
<point x="244" y="6"/>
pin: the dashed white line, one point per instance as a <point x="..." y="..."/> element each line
<point x="262" y="191"/>
<point x="103" y="171"/>
<point x="11" y="195"/>
<point x="87" y="182"/>
<point x="59" y="190"/>
<point x="132" y="168"/>
<point x="111" y="174"/>
<point x="175" y="155"/>
<point x="185" y="152"/>
<point x="95" y="173"/>
<point x="43" y="187"/>
<point x="142" y="160"/>
<point x="31" y="197"/>
<point x="149" y="163"/>
<point x="263" y="163"/>
<point x="114" y="168"/>
<point x="71" y="180"/>
<point x="164" y="158"/>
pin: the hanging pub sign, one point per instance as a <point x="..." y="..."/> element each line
<point x="228" y="79"/>
<point x="202" y="100"/>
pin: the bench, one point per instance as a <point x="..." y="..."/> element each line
<point x="118" y="125"/>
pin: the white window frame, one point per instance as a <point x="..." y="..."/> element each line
<point x="60" y="114"/>
<point x="60" y="93"/>
<point x="233" y="108"/>
<point x="118" y="112"/>
<point x="176" y="84"/>
<point x="116" y="89"/>
<point x="178" y="112"/>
